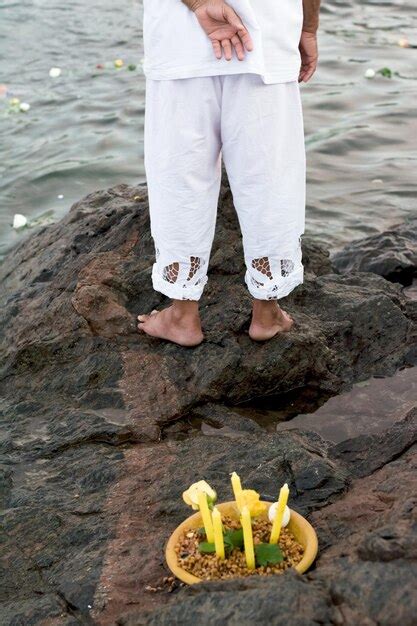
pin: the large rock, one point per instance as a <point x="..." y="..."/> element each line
<point x="366" y="568"/>
<point x="391" y="254"/>
<point x="359" y="595"/>
<point x="249" y="601"/>
<point x="85" y="531"/>
<point x="90" y="493"/>
<point x="69" y="340"/>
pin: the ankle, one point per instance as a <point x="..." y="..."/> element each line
<point x="264" y="306"/>
<point x="184" y="309"/>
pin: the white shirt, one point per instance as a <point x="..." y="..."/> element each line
<point x="177" y="47"/>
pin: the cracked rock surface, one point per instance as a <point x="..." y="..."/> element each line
<point x="92" y="473"/>
<point x="391" y="254"/>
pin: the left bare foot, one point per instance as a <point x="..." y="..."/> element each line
<point x="179" y="323"/>
<point x="268" y="319"/>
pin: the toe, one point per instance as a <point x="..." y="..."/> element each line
<point x="286" y="315"/>
<point x="144" y="317"/>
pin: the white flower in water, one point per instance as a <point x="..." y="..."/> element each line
<point x="19" y="221"/>
<point x="273" y="511"/>
<point x="370" y="73"/>
<point x="24" y="107"/>
<point x="54" y="72"/>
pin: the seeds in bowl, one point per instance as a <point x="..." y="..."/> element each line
<point x="208" y="566"/>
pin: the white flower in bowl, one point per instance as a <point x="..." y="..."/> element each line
<point x="190" y="496"/>
<point x="273" y="511"/>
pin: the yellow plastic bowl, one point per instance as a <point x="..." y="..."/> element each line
<point x="298" y="525"/>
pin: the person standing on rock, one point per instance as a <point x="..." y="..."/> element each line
<point x="222" y="81"/>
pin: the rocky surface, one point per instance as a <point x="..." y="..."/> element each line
<point x="96" y="450"/>
<point x="370" y="407"/>
<point x="391" y="254"/>
<point x="365" y="573"/>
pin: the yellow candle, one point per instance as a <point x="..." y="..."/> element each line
<point x="246" y="522"/>
<point x="218" y="533"/>
<point x="206" y="516"/>
<point x="277" y="523"/>
<point x="237" y="490"/>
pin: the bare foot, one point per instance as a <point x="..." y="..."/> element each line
<point x="179" y="323"/>
<point x="268" y="319"/>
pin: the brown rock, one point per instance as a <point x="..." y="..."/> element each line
<point x="91" y="492"/>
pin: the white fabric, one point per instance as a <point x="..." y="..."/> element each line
<point x="177" y="47"/>
<point x="258" y="129"/>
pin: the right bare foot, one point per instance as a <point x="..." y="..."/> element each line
<point x="268" y="319"/>
<point x="179" y="323"/>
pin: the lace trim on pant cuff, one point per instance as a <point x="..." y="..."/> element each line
<point x="277" y="290"/>
<point x="178" y="291"/>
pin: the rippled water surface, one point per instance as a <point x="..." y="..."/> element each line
<point x="84" y="130"/>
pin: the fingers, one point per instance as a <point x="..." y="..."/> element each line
<point x="246" y="38"/>
<point x="234" y="20"/>
<point x="307" y="72"/>
<point x="239" y="42"/>
<point x="227" y="49"/>
<point x="240" y="53"/>
<point x="217" y="49"/>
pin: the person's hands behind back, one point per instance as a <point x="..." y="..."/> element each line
<point x="224" y="28"/>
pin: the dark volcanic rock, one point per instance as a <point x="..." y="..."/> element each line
<point x="391" y="443"/>
<point x="90" y="493"/>
<point x="150" y="490"/>
<point x="367" y="534"/>
<point x="380" y="507"/>
<point x="365" y="594"/>
<point x="71" y="293"/>
<point x="352" y="598"/>
<point x="316" y="260"/>
<point x="391" y="254"/>
<point x="224" y="421"/>
<point x="246" y="603"/>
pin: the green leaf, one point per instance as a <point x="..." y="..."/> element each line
<point x="211" y="502"/>
<point x="206" y="548"/>
<point x="201" y="532"/>
<point x="268" y="554"/>
<point x="386" y="72"/>
<point x="234" y="538"/>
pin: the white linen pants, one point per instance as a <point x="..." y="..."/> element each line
<point x="258" y="129"/>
